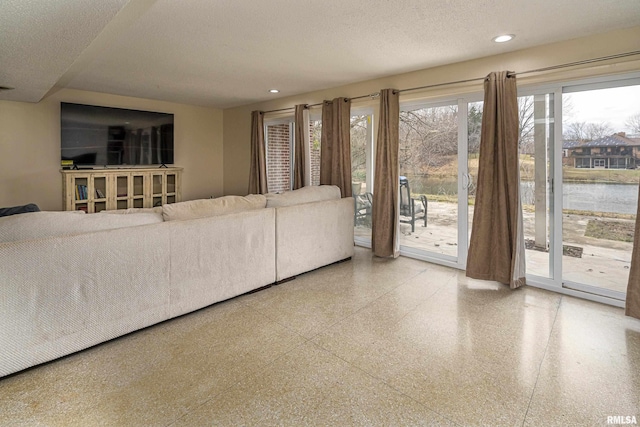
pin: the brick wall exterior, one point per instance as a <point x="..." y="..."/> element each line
<point x="278" y="158"/>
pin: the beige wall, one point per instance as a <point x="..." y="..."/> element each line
<point x="237" y="121"/>
<point x="30" y="146"/>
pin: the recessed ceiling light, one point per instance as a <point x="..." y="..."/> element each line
<point x="274" y="90"/>
<point x="503" y="38"/>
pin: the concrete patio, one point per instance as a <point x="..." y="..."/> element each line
<point x="604" y="263"/>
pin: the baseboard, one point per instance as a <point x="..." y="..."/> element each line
<point x="288" y="279"/>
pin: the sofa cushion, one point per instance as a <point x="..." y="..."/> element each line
<point x="37" y="225"/>
<point x="203" y="208"/>
<point x="315" y="193"/>
<point x="157" y="209"/>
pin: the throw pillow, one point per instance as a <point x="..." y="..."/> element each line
<point x="14" y="210"/>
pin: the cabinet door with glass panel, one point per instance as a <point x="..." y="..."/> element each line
<point x="130" y="190"/>
<point x="164" y="188"/>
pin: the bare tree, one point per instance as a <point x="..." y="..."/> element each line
<point x="568" y="108"/>
<point x="315" y="128"/>
<point x="582" y="131"/>
<point x="428" y="136"/>
<point x="574" y="131"/>
<point x="633" y="123"/>
<point x="599" y="130"/>
<point x="526" y="129"/>
<point x="358" y="128"/>
<point x="474" y="126"/>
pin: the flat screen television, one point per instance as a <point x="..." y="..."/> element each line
<point x="104" y="136"/>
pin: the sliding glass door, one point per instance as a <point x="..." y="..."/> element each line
<point x="600" y="160"/>
<point x="428" y="161"/>
<point x="579" y="186"/>
<point x="579" y="167"/>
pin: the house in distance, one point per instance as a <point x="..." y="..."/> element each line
<point x="617" y="151"/>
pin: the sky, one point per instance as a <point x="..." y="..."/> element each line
<point x="613" y="106"/>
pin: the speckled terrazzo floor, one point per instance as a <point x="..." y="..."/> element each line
<point x="368" y="342"/>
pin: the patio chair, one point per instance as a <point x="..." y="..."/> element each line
<point x="363" y="204"/>
<point x="411" y="209"/>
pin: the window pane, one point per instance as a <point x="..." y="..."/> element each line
<point x="361" y="147"/>
<point x="315" y="133"/>
<point x="428" y="155"/>
<point x="279" y="157"/>
<point x="535" y="141"/>
<point x="359" y="131"/>
<point x="474" y="126"/>
<point x="601" y="152"/>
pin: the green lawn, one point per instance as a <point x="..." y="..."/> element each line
<point x="622" y="176"/>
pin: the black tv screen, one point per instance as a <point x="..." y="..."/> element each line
<point x="104" y="136"/>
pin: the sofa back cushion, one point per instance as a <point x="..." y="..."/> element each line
<point x="157" y="209"/>
<point x="314" y="193"/>
<point x="38" y="225"/>
<point x="203" y="208"/>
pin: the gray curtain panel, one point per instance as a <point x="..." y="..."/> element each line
<point x="335" y="148"/>
<point x="258" y="170"/>
<point x="633" y="288"/>
<point x="299" y="149"/>
<point x="496" y="250"/>
<point x="385" y="196"/>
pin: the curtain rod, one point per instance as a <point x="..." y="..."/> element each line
<point x="538" y="70"/>
<point x="372" y="95"/>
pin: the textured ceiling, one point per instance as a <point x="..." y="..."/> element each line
<point x="228" y="53"/>
<point x="40" y="39"/>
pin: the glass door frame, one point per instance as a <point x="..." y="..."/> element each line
<point x="464" y="178"/>
<point x="459" y="261"/>
<point x="606" y="295"/>
<point x="556" y="282"/>
<point x="370" y="149"/>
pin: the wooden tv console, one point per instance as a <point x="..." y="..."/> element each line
<point x="95" y="190"/>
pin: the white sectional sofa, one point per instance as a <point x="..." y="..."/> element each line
<point x="69" y="280"/>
